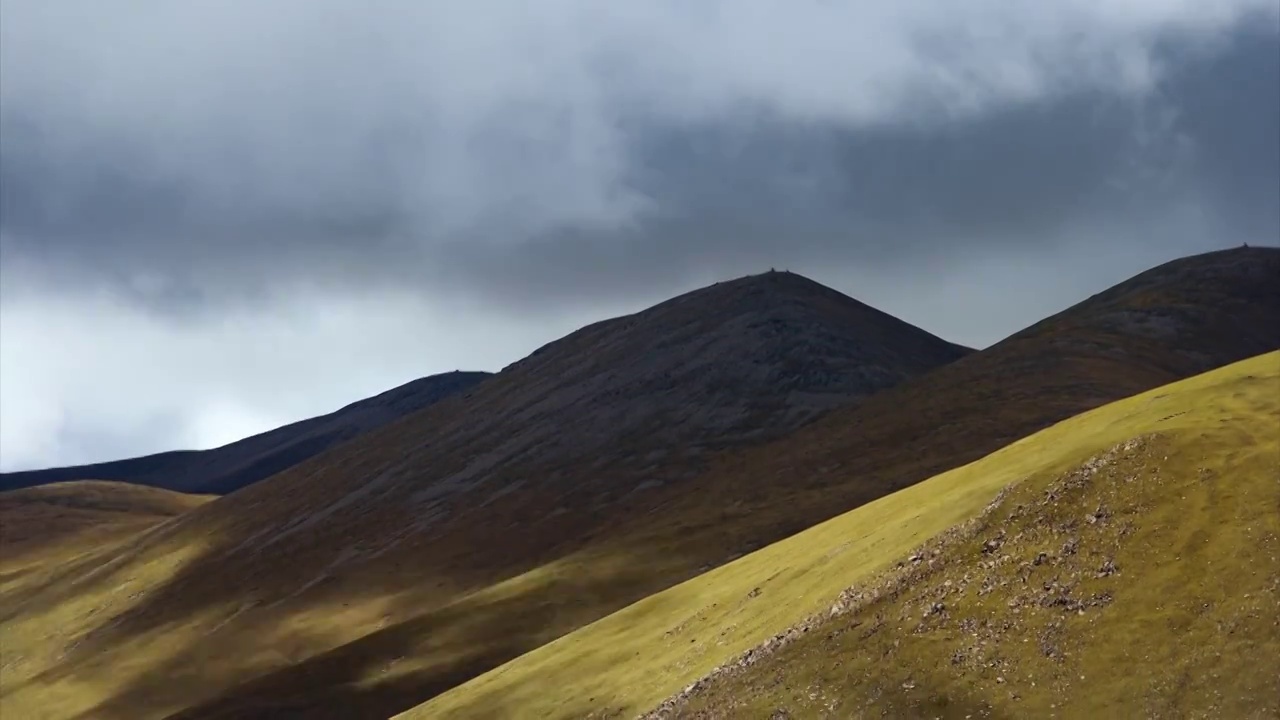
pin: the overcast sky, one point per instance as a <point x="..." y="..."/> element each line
<point x="217" y="216"/>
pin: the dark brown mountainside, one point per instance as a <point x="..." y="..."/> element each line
<point x="1174" y="321"/>
<point x="1168" y="323"/>
<point x="230" y="467"/>
<point x="520" y="471"/>
<point x="594" y="473"/>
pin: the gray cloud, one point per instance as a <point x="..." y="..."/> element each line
<point x="225" y="148"/>
<point x="210" y="170"/>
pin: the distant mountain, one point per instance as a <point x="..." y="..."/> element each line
<point x="609" y="465"/>
<point x="231" y="467"/>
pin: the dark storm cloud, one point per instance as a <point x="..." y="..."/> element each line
<point x="568" y="167"/>
<point x="1079" y="170"/>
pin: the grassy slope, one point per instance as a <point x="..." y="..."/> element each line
<point x="52" y="522"/>
<point x="1191" y="525"/>
<point x="54" y="532"/>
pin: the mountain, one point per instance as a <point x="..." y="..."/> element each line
<point x="467" y="496"/>
<point x="611" y="465"/>
<point x="1168" y="323"/>
<point x="1122" y="563"/>
<point x="231" y="467"/>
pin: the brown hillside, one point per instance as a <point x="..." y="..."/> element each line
<point x="1174" y="321"/>
<point x="475" y="491"/>
<point x="583" y="478"/>
<point x="1171" y="322"/>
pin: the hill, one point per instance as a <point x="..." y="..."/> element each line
<point x="611" y="465"/>
<point x="1123" y="563"/>
<point x="230" y="467"/>
<point x="408" y="522"/>
<point x="43" y="529"/>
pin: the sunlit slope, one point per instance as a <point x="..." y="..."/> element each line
<point x="1132" y="568"/>
<point x="47" y="525"/>
<point x="50" y="535"/>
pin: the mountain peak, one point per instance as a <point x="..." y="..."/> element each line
<point x="769" y="284"/>
<point x="795" y="307"/>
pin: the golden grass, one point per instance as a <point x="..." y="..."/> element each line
<point x="52" y="524"/>
<point x="1196" y="541"/>
<point x="53" y="534"/>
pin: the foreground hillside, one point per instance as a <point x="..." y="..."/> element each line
<point x="463" y="535"/>
<point x="233" y="466"/>
<point x="1123" y="563"/>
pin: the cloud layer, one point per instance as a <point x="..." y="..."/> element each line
<point x="188" y="178"/>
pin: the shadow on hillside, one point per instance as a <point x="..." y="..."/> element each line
<point x="383" y="672"/>
<point x="442" y="633"/>
<point x="776" y="495"/>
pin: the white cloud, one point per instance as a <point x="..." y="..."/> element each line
<point x="88" y="377"/>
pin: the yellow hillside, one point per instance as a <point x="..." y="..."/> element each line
<point x="48" y="535"/>
<point x="50" y="524"/>
<point x="1131" y="568"/>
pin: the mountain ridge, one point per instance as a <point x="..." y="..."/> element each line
<point x="232" y="466"/>
<point x="391" y="570"/>
<point x="541" y="452"/>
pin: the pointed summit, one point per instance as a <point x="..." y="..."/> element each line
<point x="758" y="336"/>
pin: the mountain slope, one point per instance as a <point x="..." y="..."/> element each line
<point x="1168" y="323"/>
<point x="427" y="531"/>
<point x="1143" y="583"/>
<point x="584" y="478"/>
<point x="1222" y="307"/>
<point x="230" y="467"/>
<point x="53" y="532"/>
<point x="40" y="524"/>
<point x="1123" y="563"/>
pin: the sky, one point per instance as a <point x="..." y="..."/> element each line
<point x="219" y="216"/>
